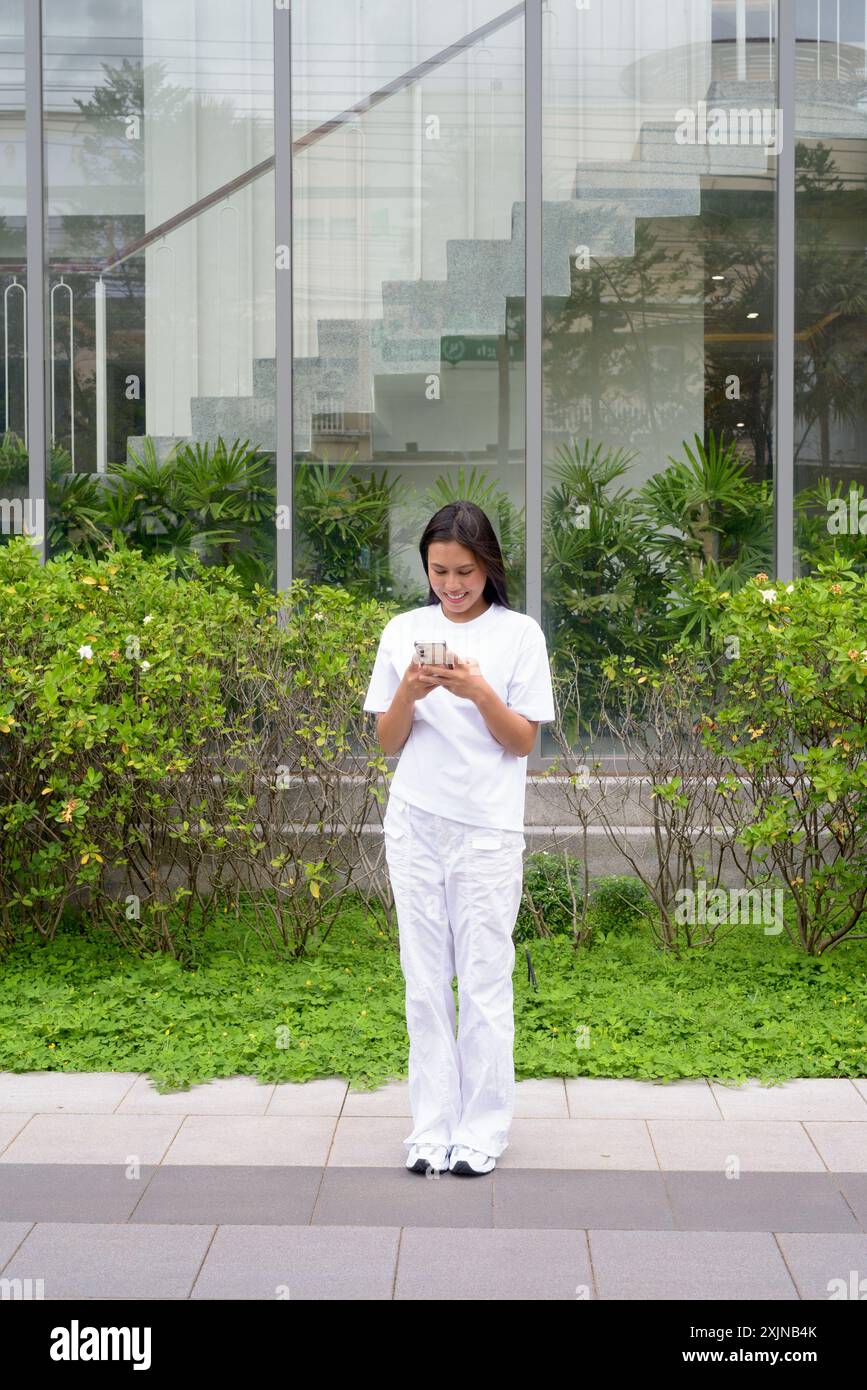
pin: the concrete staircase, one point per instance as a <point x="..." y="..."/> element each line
<point x="363" y="363"/>
<point x="359" y="360"/>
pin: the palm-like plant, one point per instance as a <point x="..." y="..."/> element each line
<point x="73" y="500"/>
<point x="816" y="544"/>
<point x="234" y="486"/>
<point x="343" y="523"/>
<point x="688" y="602"/>
<point x="603" y="593"/>
<point x="13" y="460"/>
<point x="74" y="513"/>
<point x="196" y="501"/>
<point x="706" y="510"/>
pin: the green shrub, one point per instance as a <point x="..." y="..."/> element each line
<point x="555" y="902"/>
<point x="553" y="896"/>
<point x="618" y="901"/>
<point x="149" y="730"/>
<point x="791" y="722"/>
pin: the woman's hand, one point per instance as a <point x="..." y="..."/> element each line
<point x="414" y="688"/>
<point x="464" y="680"/>
<point x="514" y="731"/>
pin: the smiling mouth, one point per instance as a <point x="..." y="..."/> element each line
<point x="456" y="598"/>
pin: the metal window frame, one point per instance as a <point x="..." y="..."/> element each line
<point x="37" y="365"/>
<point x="283" y="293"/>
<point x="533" y="398"/>
<point x="784" y="301"/>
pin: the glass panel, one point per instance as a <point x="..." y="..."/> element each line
<point x="156" y="348"/>
<point x="14" y="517"/>
<point x="659" y="142"/>
<point x="408" y="282"/>
<point x="831" y="285"/>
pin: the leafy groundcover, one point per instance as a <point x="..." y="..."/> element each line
<point x="752" y="1006"/>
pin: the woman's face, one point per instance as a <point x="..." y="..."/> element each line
<point x="457" y="577"/>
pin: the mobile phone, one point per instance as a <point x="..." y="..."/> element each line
<point x="434" y="653"/>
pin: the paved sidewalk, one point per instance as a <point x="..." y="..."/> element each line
<point x="608" y="1190"/>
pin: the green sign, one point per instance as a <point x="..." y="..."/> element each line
<point x="457" y="349"/>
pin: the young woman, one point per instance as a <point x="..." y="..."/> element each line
<point x="454" y="832"/>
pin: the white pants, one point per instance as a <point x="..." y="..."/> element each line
<point x="457" y="890"/>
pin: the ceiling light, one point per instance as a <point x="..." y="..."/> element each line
<point x="753" y="315"/>
<point x="739" y="425"/>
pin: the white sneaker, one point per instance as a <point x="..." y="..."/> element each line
<point x="469" y="1163"/>
<point x="428" y="1157"/>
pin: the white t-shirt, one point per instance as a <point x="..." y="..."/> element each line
<point x="451" y="764"/>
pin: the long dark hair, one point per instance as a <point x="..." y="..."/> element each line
<point x="467" y="524"/>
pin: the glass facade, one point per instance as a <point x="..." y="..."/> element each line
<point x="307" y="276"/>
<point x="408" y="282"/>
<point x="658" y="311"/>
<point x="830" y="446"/>
<point x="13" y="255"/>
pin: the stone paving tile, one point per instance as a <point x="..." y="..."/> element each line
<point x="370" y="1141"/>
<point x="378" y="1142"/>
<point x="88" y="1093"/>
<point x="374" y="1141"/>
<point x="538" y="1098"/>
<point x="253" y="1139"/>
<point x="100" y="1261"/>
<point x="689" y="1265"/>
<point x="85" y="1260"/>
<point x="541" y="1098"/>
<point x="230" y="1095"/>
<point x="397" y="1197"/>
<point x="231" y="1195"/>
<point x="325" y="1097"/>
<point x="70" y="1192"/>
<point x="96" y="1138"/>
<point x="485" y="1265"/>
<point x="854" y="1188"/>
<point x="805" y="1099"/>
<point x="557" y="1199"/>
<point x="822" y="1265"/>
<point x="300" y="1262"/>
<point x="11" y="1126"/>
<point x="842" y="1146"/>
<point x="622" y="1144"/>
<point x="758" y="1202"/>
<point x="758" y="1145"/>
<point x="592" y="1097"/>
<point x="12" y="1234"/>
<point x="860" y="1084"/>
<point x="386" y="1102"/>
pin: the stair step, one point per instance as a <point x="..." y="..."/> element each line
<point x="638" y="189"/>
<point x="234" y="417"/>
<point x="827" y="108"/>
<point x="659" y="150"/>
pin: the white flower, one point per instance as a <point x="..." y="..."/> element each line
<point x="86" y="652"/>
<point x="790" y="588"/>
<point x="148" y="618"/>
<point x="145" y="666"/>
<point x="768" y="595"/>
